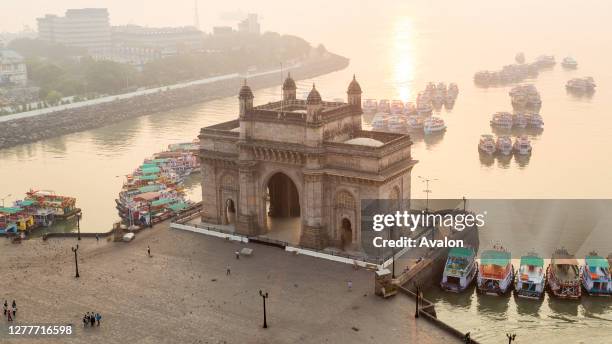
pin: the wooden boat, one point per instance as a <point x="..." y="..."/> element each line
<point x="495" y="273"/>
<point x="459" y="270"/>
<point x="530" y="278"/>
<point x="63" y="207"/>
<point x="596" y="276"/>
<point x="564" y="276"/>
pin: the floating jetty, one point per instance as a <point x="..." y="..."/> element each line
<point x="40" y="208"/>
<point x="153" y="192"/>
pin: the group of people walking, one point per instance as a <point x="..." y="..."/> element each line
<point x="11" y="313"/>
<point x="91" y="319"/>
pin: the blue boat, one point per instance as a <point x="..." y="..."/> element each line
<point x="459" y="270"/>
<point x="596" y="276"/>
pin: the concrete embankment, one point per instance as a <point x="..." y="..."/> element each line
<point x="30" y="129"/>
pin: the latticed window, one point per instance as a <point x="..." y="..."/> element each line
<point x="345" y="200"/>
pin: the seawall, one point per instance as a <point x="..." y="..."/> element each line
<point x="31" y="129"/>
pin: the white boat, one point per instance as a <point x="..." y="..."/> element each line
<point x="535" y="121"/>
<point x="545" y="61"/>
<point x="487" y="144"/>
<point x="580" y="85"/>
<point x="397" y="107"/>
<point x="502" y="120"/>
<point x="569" y="62"/>
<point x="459" y="270"/>
<point x="370" y="106"/>
<point x="495" y="272"/>
<point x="415" y="122"/>
<point x="530" y="278"/>
<point x="424" y="108"/>
<point x="380" y="121"/>
<point x="503" y="145"/>
<point x="410" y="108"/>
<point x="383" y="106"/>
<point x="519" y="58"/>
<point x="433" y="125"/>
<point x="519" y="120"/>
<point x="522" y="145"/>
<point x="396" y="123"/>
<point x="596" y="278"/>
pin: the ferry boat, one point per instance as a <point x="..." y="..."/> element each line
<point x="7" y="226"/>
<point x="519" y="120"/>
<point x="19" y="217"/>
<point x="397" y="107"/>
<point x="370" y="106"/>
<point x="453" y="89"/>
<point x="535" y="121"/>
<point x="410" y="108"/>
<point x="502" y="120"/>
<point x="459" y="270"/>
<point x="564" y="276"/>
<point x="487" y="144"/>
<point x="581" y="85"/>
<point x="424" y="108"/>
<point x="530" y="278"/>
<point x="495" y="272"/>
<point x="522" y="145"/>
<point x="519" y="58"/>
<point x="415" y="122"/>
<point x="396" y="124"/>
<point x="545" y="61"/>
<point x="596" y="278"/>
<point x="525" y="96"/>
<point x="434" y="125"/>
<point x="503" y="145"/>
<point x="383" y="106"/>
<point x="569" y="63"/>
<point x="380" y="121"/>
<point x="62" y="207"/>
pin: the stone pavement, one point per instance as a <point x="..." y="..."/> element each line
<point x="182" y="294"/>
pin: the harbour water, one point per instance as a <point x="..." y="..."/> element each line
<point x="395" y="49"/>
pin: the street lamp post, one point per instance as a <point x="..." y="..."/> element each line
<point x="511" y="337"/>
<point x="417" y="292"/>
<point x="427" y="191"/>
<point x="464" y="202"/>
<point x="5" y="197"/>
<point x="76" y="261"/>
<point x="150" y="215"/>
<point x="78" y="216"/>
<point x="264" y="296"/>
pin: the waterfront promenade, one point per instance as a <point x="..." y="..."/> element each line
<point x="182" y="293"/>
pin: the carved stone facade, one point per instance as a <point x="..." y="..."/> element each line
<point x="308" y="158"/>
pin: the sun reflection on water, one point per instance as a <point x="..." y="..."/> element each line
<point x="403" y="58"/>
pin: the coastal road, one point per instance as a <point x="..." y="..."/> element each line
<point x="183" y="295"/>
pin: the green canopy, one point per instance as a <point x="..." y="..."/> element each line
<point x="149" y="177"/>
<point x="176" y="207"/>
<point x="27" y="202"/>
<point x="462" y="252"/>
<point x="149" y="188"/>
<point x="495" y="257"/>
<point x="159" y="161"/>
<point x="163" y="201"/>
<point x="597" y="262"/>
<point x="532" y="260"/>
<point x="149" y="170"/>
<point x="10" y="210"/>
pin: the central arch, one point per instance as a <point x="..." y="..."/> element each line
<point x="282" y="208"/>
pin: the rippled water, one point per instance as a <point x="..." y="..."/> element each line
<point x="396" y="48"/>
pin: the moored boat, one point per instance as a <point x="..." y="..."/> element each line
<point x="502" y="120"/>
<point x="383" y="106"/>
<point x="596" y="278"/>
<point x="487" y="144"/>
<point x="581" y="85"/>
<point x="503" y="145"/>
<point x="495" y="272"/>
<point x="370" y="106"/>
<point x="522" y="145"/>
<point x="434" y="125"/>
<point x="569" y="63"/>
<point x="530" y="278"/>
<point x="564" y="276"/>
<point x="519" y="58"/>
<point x="459" y="270"/>
<point x="397" y="107"/>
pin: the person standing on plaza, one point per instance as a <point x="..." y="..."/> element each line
<point x="228" y="271"/>
<point x="86" y="319"/>
<point x="98" y="317"/>
<point x="14" y="308"/>
<point x="5" y="307"/>
<point x="349" y="285"/>
<point x="10" y="317"/>
<point x="92" y="319"/>
<point x="149" y="251"/>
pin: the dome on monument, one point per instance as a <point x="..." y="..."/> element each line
<point x="289" y="83"/>
<point x="313" y="97"/>
<point x="354" y="87"/>
<point x="245" y="92"/>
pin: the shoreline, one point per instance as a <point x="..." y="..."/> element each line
<point x="66" y="121"/>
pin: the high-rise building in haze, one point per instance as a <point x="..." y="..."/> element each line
<point x="250" y="25"/>
<point x="87" y="28"/>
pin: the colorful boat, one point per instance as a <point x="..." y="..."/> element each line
<point x="564" y="276"/>
<point x="596" y="276"/>
<point x="62" y="207"/>
<point x="19" y="217"/>
<point x="6" y="225"/>
<point x="530" y="278"/>
<point x="459" y="270"/>
<point x="495" y="273"/>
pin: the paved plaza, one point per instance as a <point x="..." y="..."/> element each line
<point x="183" y="295"/>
